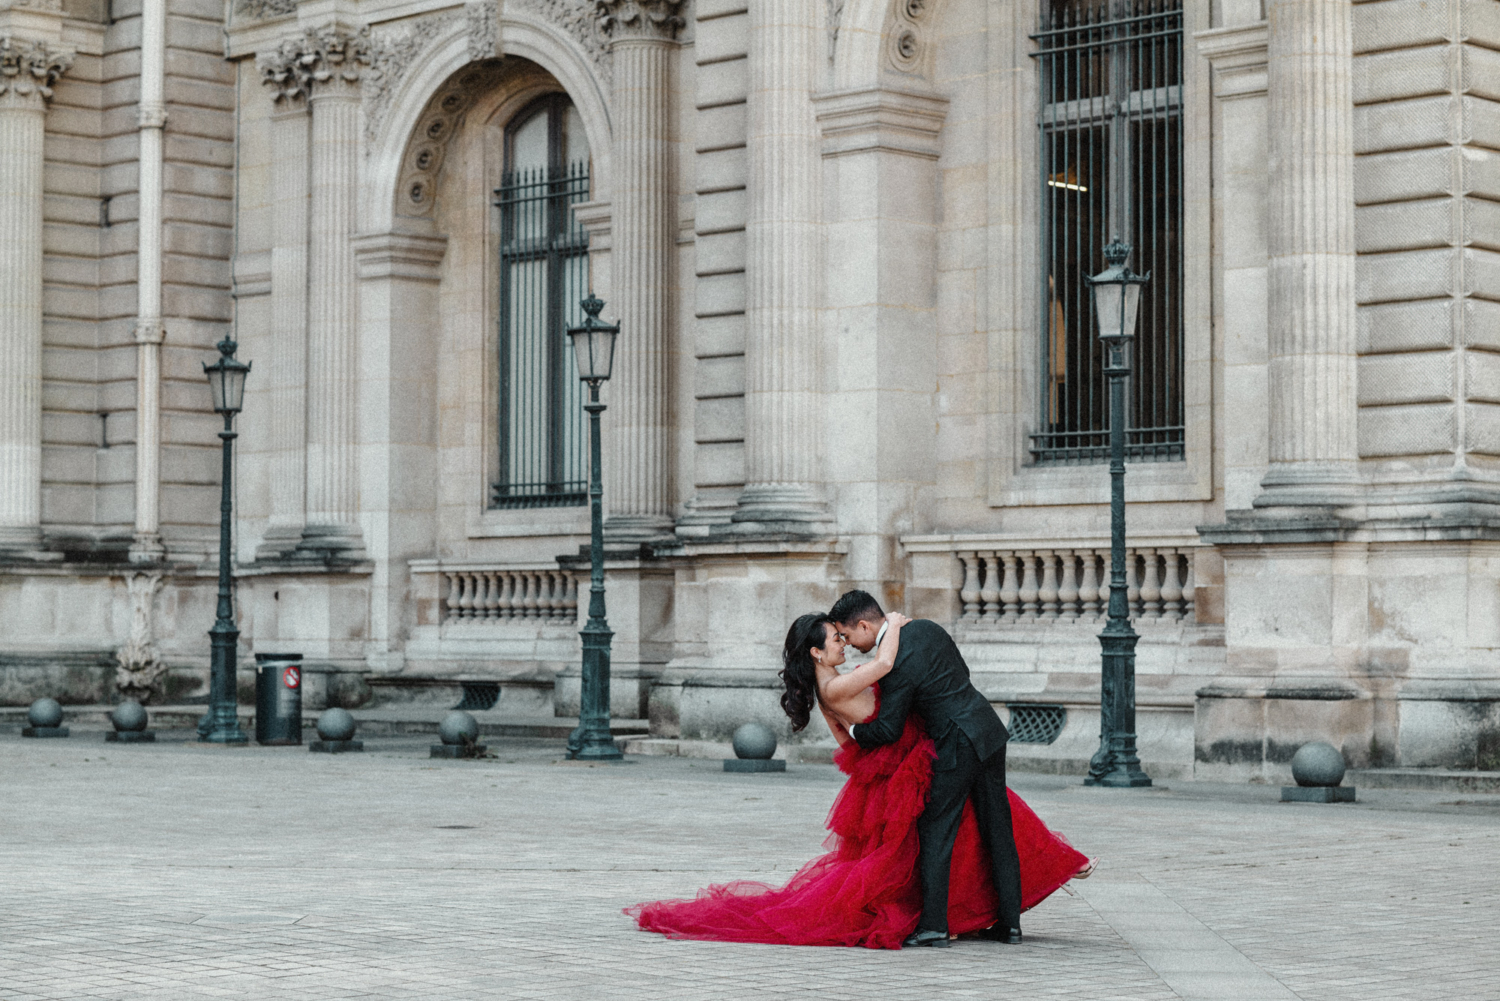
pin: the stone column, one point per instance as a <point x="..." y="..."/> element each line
<point x="1313" y="447"/>
<point x="27" y="71"/>
<point x="638" y="471"/>
<point x="782" y="367"/>
<point x="334" y="59"/>
<point x="288" y="362"/>
<point x="151" y="119"/>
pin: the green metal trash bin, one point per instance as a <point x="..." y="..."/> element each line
<point x="278" y="698"/>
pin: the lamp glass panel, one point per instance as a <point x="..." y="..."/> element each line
<point x="1132" y="306"/>
<point x="234" y="388"/>
<point x="1107" y="307"/>
<point x="216" y="385"/>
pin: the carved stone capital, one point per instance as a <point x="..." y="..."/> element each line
<point x="299" y="66"/>
<point x="28" y="69"/>
<point x="656" y="19"/>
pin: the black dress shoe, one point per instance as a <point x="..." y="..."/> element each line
<point x="999" y="933"/>
<point x="931" y="939"/>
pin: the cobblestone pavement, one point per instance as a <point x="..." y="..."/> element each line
<point x="175" y="871"/>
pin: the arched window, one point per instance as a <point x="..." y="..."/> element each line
<point x="1111" y="164"/>
<point x="544" y="273"/>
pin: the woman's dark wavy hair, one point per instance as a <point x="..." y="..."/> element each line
<point x="798" y="672"/>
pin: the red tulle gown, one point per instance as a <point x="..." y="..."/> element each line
<point x="865" y="890"/>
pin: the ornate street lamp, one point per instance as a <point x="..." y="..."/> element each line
<point x="1117" y="298"/>
<point x="594" y="349"/>
<point x="226" y="380"/>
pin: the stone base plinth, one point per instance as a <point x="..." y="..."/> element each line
<point x="1317" y="794"/>
<point x="337" y="746"/>
<point x="131" y="736"/>
<point x="44" y="731"/>
<point x="458" y="751"/>
<point x="754" y="765"/>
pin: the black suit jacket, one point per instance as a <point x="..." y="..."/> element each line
<point x="931" y="679"/>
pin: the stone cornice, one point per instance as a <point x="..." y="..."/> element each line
<point x="28" y="69"/>
<point x="303" y="64"/>
<point x="640" y="19"/>
<point x="1238" y="57"/>
<point x="885" y="119"/>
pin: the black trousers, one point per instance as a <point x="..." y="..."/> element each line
<point x="937" y="829"/>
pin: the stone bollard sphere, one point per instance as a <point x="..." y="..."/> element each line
<point x="755" y="741"/>
<point x="1318" y="764"/>
<point x="128" y="717"/>
<point x="458" y="727"/>
<point x="336" y="724"/>
<point x="44" y="713"/>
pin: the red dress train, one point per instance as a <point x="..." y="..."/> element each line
<point x="865" y="890"/>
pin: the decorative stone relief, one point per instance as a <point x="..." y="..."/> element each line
<point x="395" y="48"/>
<point x="429" y="142"/>
<point x="835" y="17"/>
<point x="29" y="69"/>
<point x="141" y="671"/>
<point x="907" y="28"/>
<point x="316" y="57"/>
<point x="264" y="10"/>
<point x="50" y="5"/>
<point x="639" y="18"/>
<point x="484" y="29"/>
<point x="579" y="20"/>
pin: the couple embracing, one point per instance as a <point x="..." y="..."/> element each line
<point x="927" y="842"/>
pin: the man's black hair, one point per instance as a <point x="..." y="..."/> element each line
<point x="856" y="606"/>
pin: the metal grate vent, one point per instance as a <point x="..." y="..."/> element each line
<point x="1033" y="724"/>
<point x="479" y="695"/>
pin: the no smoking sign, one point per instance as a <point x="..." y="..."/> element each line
<point x="292" y="676"/>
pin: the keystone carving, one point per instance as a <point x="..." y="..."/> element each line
<point x="141" y="672"/>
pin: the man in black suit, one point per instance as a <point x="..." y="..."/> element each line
<point x="931" y="679"/>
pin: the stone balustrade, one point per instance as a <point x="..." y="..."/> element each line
<point x="473" y="594"/>
<point x="1002" y="587"/>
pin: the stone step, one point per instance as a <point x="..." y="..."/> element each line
<point x="390" y="722"/>
<point x="1439" y="779"/>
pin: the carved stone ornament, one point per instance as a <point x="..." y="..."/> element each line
<point x="141" y="672"/>
<point x="315" y="58"/>
<point x="639" y="18"/>
<point x="395" y="47"/>
<point x="578" y="19"/>
<point x="264" y="10"/>
<point x="835" y="17"/>
<point x="29" y="69"/>
<point x="907" y="27"/>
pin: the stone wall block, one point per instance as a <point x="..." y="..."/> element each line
<point x="722" y="82"/>
<point x="720" y="294"/>
<point x="1482" y="428"/>
<point x="1481" y="123"/>
<point x="1406" y="378"/>
<point x="721" y="170"/>
<point x="1395" y="24"/>
<point x="1407" y="430"/>
<point x="1426" y="121"/>
<point x="1481" y="172"/>
<point x="1403" y="73"/>
<point x="1481" y="223"/>
<point x="1405" y="326"/>
<point x="1482" y="323"/>
<point x="1410" y="225"/>
<point x="1481" y="72"/>
<point x="720" y="335"/>
<point x="720" y="253"/>
<point x="1481" y="22"/>
<point x="720" y="419"/>
<point x="1405" y="174"/>
<point x="1482" y="376"/>
<point x="1417" y="274"/>
<point x="721" y="211"/>
<point x="719" y="464"/>
<point x="720" y="376"/>
<point x="719" y="35"/>
<point x="720" y="127"/>
<point x="1481" y="273"/>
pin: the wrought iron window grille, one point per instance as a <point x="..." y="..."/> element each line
<point x="1034" y="724"/>
<point x="1110" y="130"/>
<point x="544" y="273"/>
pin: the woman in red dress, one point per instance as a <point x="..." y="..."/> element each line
<point x="864" y="890"/>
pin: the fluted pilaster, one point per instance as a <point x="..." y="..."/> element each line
<point x="782" y="270"/>
<point x="1313" y="445"/>
<point x="325" y="66"/>
<point x="288" y="362"/>
<point x="638" y="486"/>
<point x="27" y="71"/>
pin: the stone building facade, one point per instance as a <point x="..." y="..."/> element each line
<point x="845" y="242"/>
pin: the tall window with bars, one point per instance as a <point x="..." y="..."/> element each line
<point x="1110" y="126"/>
<point x="544" y="273"/>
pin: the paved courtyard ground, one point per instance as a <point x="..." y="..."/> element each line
<point x="174" y="871"/>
